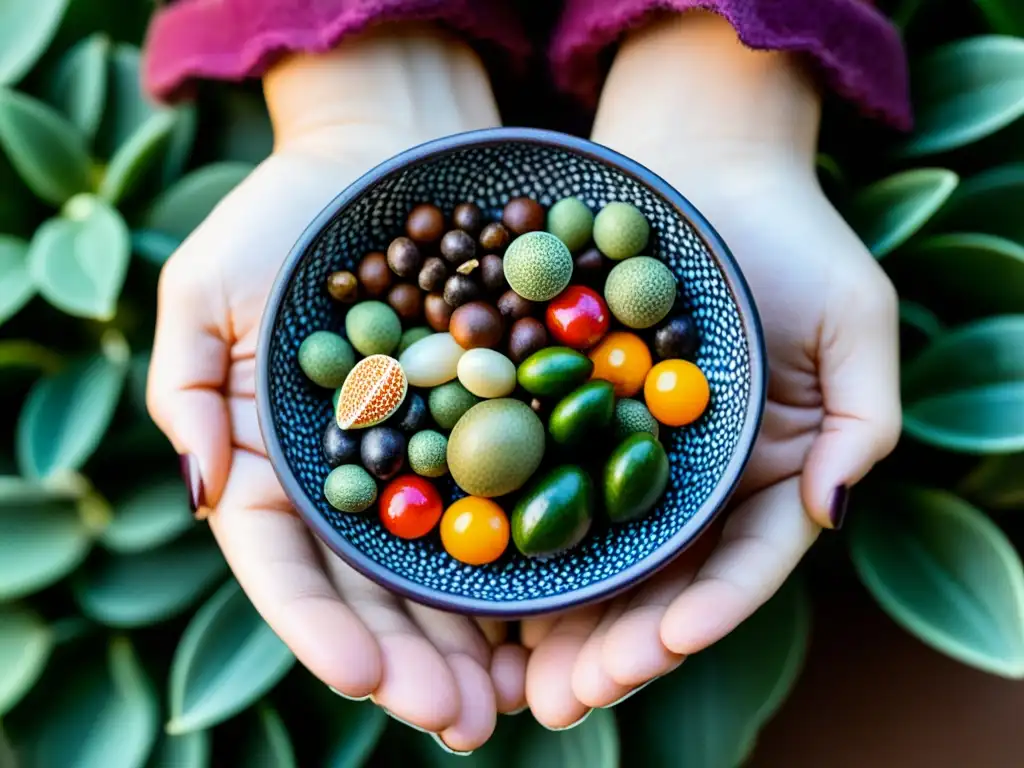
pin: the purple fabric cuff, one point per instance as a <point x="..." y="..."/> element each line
<point x="856" y="49"/>
<point x="237" y="39"/>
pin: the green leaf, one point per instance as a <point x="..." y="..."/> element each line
<point x="355" y="727"/>
<point x="592" y="744"/>
<point x="968" y="273"/>
<point x="79" y="261"/>
<point x="179" y="148"/>
<point x="78" y="87"/>
<point x="151" y="516"/>
<point x="99" y="717"/>
<point x="182" y="207"/>
<point x="227" y="658"/>
<point x="964" y="91"/>
<point x="149" y="587"/>
<point x="40" y="544"/>
<point x="155" y="247"/>
<point x="997" y="482"/>
<point x="48" y="152"/>
<point x="707" y="713"/>
<point x="128" y="106"/>
<point x="25" y="646"/>
<point x="66" y="415"/>
<point x="965" y="392"/>
<point x="18" y="353"/>
<point x="946" y="573"/>
<point x="136" y="155"/>
<point x="20" y="491"/>
<point x="16" y="286"/>
<point x="26" y="28"/>
<point x="7" y="756"/>
<point x="186" y="750"/>
<point x="920" y="318"/>
<point x="246" y="132"/>
<point x="989" y="202"/>
<point x="266" y="744"/>
<point x="889" y="212"/>
<point x="1004" y="16"/>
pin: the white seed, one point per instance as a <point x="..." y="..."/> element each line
<point x="432" y="360"/>
<point x="487" y="373"/>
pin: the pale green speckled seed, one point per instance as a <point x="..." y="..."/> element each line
<point x="571" y="222"/>
<point x="620" y="231"/>
<point x="349" y="488"/>
<point x="326" y="358"/>
<point x="538" y="266"/>
<point x="428" y="453"/>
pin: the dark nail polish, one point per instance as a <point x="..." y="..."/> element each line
<point x="193" y="480"/>
<point x="837" y="509"/>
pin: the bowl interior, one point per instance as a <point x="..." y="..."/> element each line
<point x="704" y="457"/>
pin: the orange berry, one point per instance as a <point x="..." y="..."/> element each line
<point x="676" y="392"/>
<point x="474" y="530"/>
<point x="623" y="359"/>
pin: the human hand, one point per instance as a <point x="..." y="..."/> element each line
<point x="335" y="116"/>
<point x="736" y="131"/>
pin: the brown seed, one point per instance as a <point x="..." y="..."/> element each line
<point x="437" y="311"/>
<point x="457" y="246"/>
<point x="468" y="217"/>
<point x="432" y="274"/>
<point x="522" y="214"/>
<point x="536" y="405"/>
<point x="374" y="274"/>
<point x="495" y="237"/>
<point x="476" y="324"/>
<point x="467" y="266"/>
<point x="589" y="267"/>
<point x="404" y="257"/>
<point x="492" y="273"/>
<point x="460" y="289"/>
<point x="407" y="300"/>
<point x="343" y="286"/>
<point x="526" y="337"/>
<point x="513" y="306"/>
<point x="425" y="223"/>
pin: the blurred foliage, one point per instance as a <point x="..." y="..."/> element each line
<point x="123" y="640"/>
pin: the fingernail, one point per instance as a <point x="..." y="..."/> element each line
<point x="519" y="711"/>
<point x="346" y="696"/>
<point x="631" y="693"/>
<point x="446" y="748"/>
<point x="573" y="725"/>
<point x="838" y="505"/>
<point x="190" y="474"/>
<point x="395" y="717"/>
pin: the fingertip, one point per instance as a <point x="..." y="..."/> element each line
<point x="477" y="715"/>
<point x="591" y="684"/>
<point x="633" y="651"/>
<point x="701" y="616"/>
<point x="549" y="682"/>
<point x="508" y="674"/>
<point x="416" y="684"/>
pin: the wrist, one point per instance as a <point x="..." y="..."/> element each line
<point x="686" y="84"/>
<point x="396" y="84"/>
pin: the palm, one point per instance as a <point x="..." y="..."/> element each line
<point x="810" y="277"/>
<point x="428" y="668"/>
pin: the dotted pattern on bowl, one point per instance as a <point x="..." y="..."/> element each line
<point x="489" y="176"/>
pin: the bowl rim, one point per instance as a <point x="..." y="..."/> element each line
<point x="681" y="540"/>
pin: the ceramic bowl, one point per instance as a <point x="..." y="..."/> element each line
<point x="489" y="167"/>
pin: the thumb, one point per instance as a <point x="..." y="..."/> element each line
<point x="187" y="375"/>
<point x="859" y="371"/>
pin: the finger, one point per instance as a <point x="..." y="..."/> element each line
<point x="187" y="374"/>
<point x="417" y="686"/>
<point x="275" y="561"/>
<point x="590" y="683"/>
<point x="859" y="369"/>
<point x="494" y="630"/>
<point x="549" y="671"/>
<point x="245" y="428"/>
<point x="478" y="714"/>
<point x="533" y="631"/>
<point x="761" y="544"/>
<point x="508" y="675"/>
<point x="451" y="634"/>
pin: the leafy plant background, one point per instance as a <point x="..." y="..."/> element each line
<point x="123" y="640"/>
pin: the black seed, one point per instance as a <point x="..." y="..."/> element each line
<point x="339" y="446"/>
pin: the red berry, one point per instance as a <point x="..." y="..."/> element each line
<point x="410" y="507"/>
<point x="578" y="317"/>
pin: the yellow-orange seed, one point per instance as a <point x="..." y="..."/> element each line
<point x="373" y="390"/>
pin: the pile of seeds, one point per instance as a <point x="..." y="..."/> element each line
<point x="514" y="354"/>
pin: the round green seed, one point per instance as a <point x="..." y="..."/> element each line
<point x="428" y="453"/>
<point x="620" y="231"/>
<point x="632" y="416"/>
<point x="349" y="488"/>
<point x="448" y="402"/>
<point x="326" y="358"/>
<point x="571" y="222"/>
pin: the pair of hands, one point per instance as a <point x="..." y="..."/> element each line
<point x="829" y="317"/>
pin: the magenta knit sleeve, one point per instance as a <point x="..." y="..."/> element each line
<point x="856" y="49"/>
<point x="237" y="39"/>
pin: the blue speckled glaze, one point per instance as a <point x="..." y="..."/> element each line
<point x="489" y="167"/>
